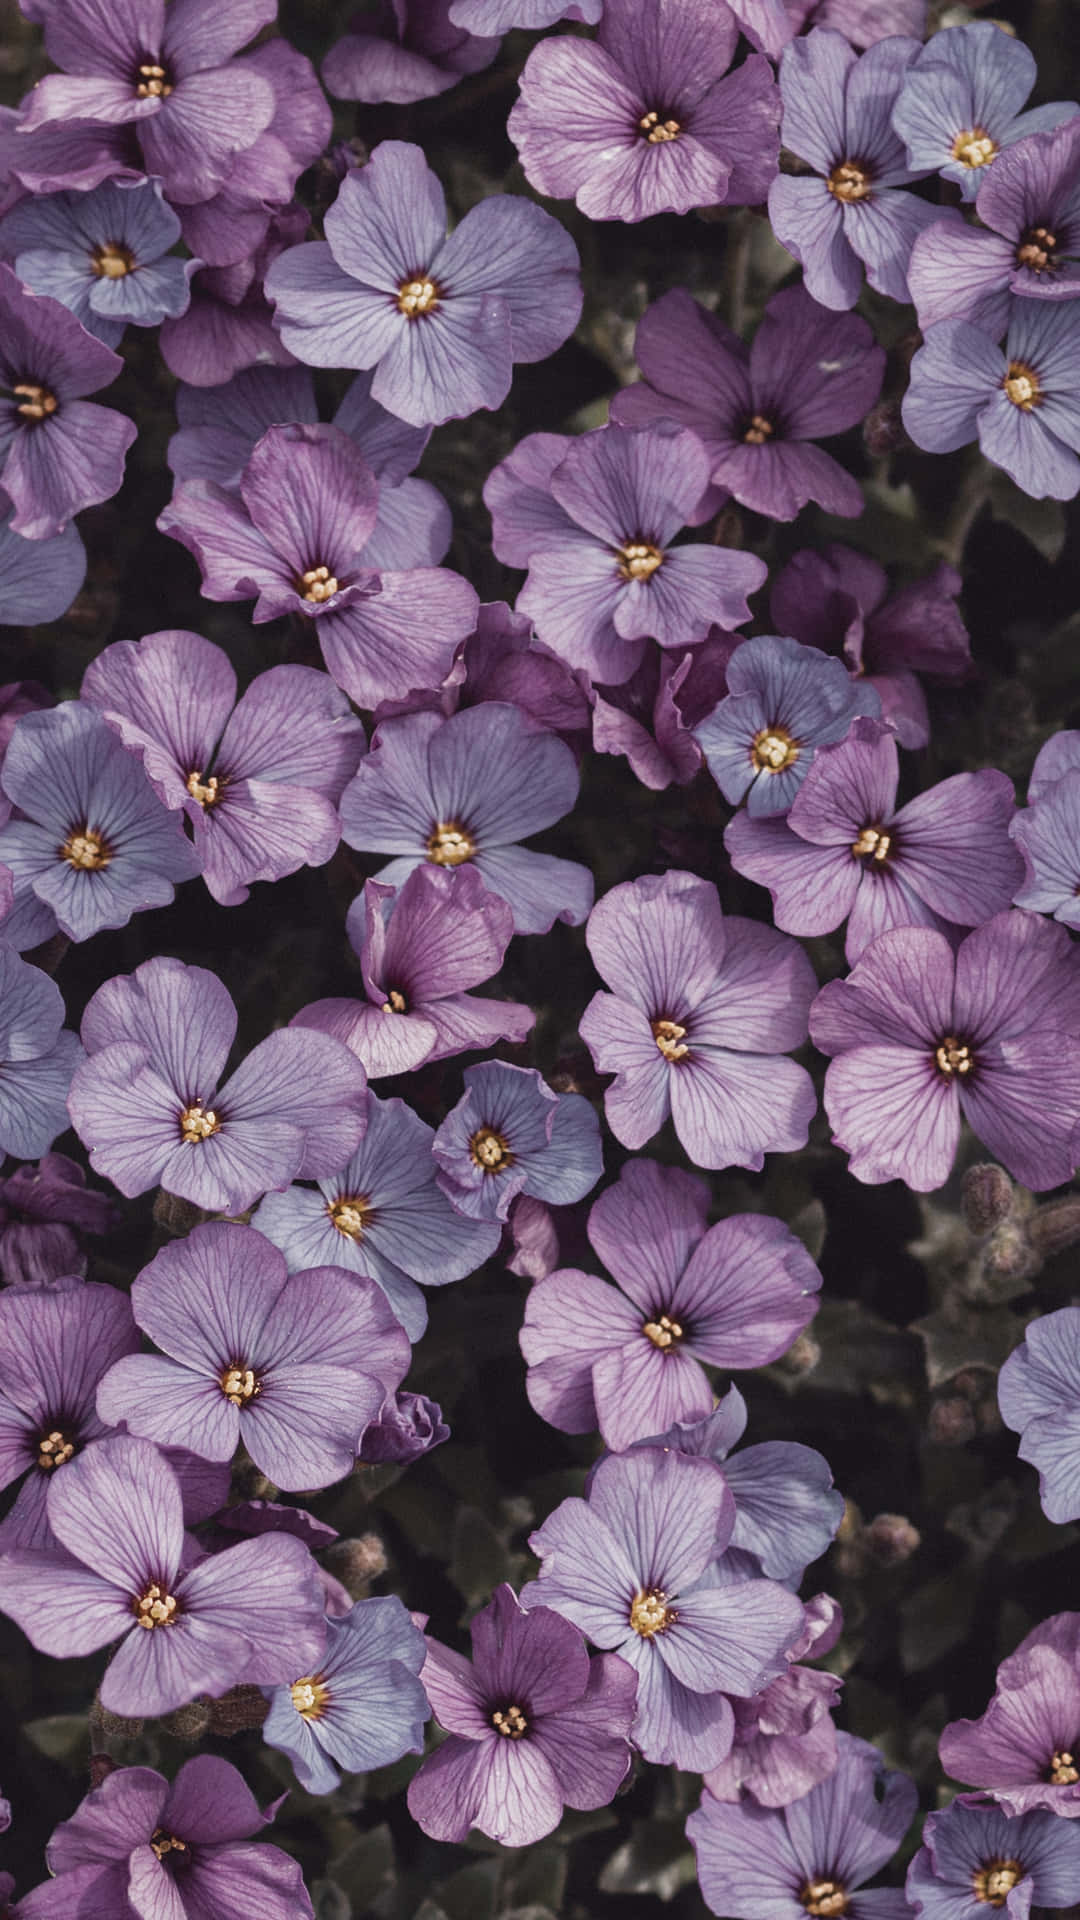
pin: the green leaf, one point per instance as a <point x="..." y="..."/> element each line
<point x="329" y="1901"/>
<point x="469" y="1894"/>
<point x="366" y="1868"/>
<point x="536" y="1877"/>
<point x="1040" y="521"/>
<point x="63" y="1737"/>
<point x="656" y="1859"/>
<point x="479" y="1560"/>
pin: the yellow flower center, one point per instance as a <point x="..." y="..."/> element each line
<point x="873" y="843"/>
<point x="206" y="792"/>
<point x="449" y="844"/>
<point x="198" y="1123"/>
<point x="155" y="1607"/>
<point x="758" y="431"/>
<point x="639" y="559"/>
<point x="350" y="1215"/>
<point x="824" y="1898"/>
<point x="993" y="1882"/>
<point x="87" y="849"/>
<point x="417" y="297"/>
<point x="163" y="1843"/>
<point x="773" y="749"/>
<point x="1038" y="250"/>
<point x="490" y="1150"/>
<point x="36" y="401"/>
<point x="111" y="261"/>
<point x="395" y="1002"/>
<point x="1021" y="383"/>
<point x="650" y="1613"/>
<point x="1062" y="1771"/>
<point x="658" y="131"/>
<point x="953" y="1056"/>
<point x="974" y="147"/>
<point x="670" y="1038"/>
<point x="152" y="82"/>
<point x="239" y="1384"/>
<point x="510" y="1722"/>
<point x="663" y="1332"/>
<point x="316" y="585"/>
<point x="54" y="1450"/>
<point x="310" y="1697"/>
<point x="849" y="180"/>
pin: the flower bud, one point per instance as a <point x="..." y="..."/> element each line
<point x="883" y="430"/>
<point x="238" y="1710"/>
<point x="356" y="1563"/>
<point x="891" y="1539"/>
<point x="952" y="1422"/>
<point x="189" y="1722"/>
<point x="801" y="1357"/>
<point x="986" y="1197"/>
<point x="1053" y="1228"/>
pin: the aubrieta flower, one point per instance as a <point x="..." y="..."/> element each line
<point x="961" y="102"/>
<point x="627" y="1359"/>
<point x="594" y="520"/>
<point x="785" y="1739"/>
<point x="534" y="1725"/>
<point x="783" y="702"/>
<point x="632" y="1566"/>
<point x="812" y="1857"/>
<point x="259" y="779"/>
<point x="703" y="1009"/>
<point x="105" y="254"/>
<point x="40" y="1208"/>
<point x="363" y="1707"/>
<point x="382" y="1214"/>
<point x="973" y="1857"/>
<point x="510" y="1134"/>
<point x="1039" y="1397"/>
<point x="922" y="1037"/>
<point x="421" y="947"/>
<point x="650" y="719"/>
<point x="37" y="1058"/>
<point x="770" y="24"/>
<point x="1047" y="832"/>
<point x="58" y="451"/>
<point x="408" y="1425"/>
<point x="659" y="125"/>
<point x="249" y="1614"/>
<point x="229" y="322"/>
<point x="293" y="1367"/>
<point x="442" y="318"/>
<point x="465" y="790"/>
<point x="295" y="538"/>
<point x="759" y="410"/>
<point x="1024" y="1751"/>
<point x="847" y="852"/>
<point x="503" y="660"/>
<point x="408" y="50"/>
<point x="38" y="578"/>
<point x="497" y="16"/>
<point x="148" y="1104"/>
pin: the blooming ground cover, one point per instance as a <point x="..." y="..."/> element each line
<point x="539" y="996"/>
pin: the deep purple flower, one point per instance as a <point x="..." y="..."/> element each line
<point x="770" y="24"/>
<point x="783" y="702"/>
<point x="296" y="538"/>
<point x="58" y="452"/>
<point x="420" y="949"/>
<point x="658" y="124"/>
<point x="442" y="318"/>
<point x="250" y="1614"/>
<point x="924" y="1038"/>
<point x="534" y="1725"/>
<point x="383" y="1215"/>
<point x="764" y="1863"/>
<point x="1039" y="1397"/>
<point x="785" y="1739"/>
<point x="364" y="1705"/>
<point x="40" y="1208"/>
<point x="63" y="154"/>
<point x="104" y="254"/>
<point x="628" y="1362"/>
<point x="703" y="1009"/>
<point x="38" y="578"/>
<point x="759" y="409"/>
<point x="503" y="660"/>
<point x="961" y="101"/>
<point x="229" y="324"/>
<point x="847" y="852"/>
<point x="594" y="520"/>
<point x="850" y="213"/>
<point x="1047" y="832"/>
<point x="496" y="16"/>
<point x="632" y="1566"/>
<point x="37" y="1058"/>
<point x="650" y="719"/>
<point x="407" y="1426"/>
<point x="510" y="1134"/>
<point x="149" y="1106"/>
<point x="259" y="779"/>
<point x="1023" y="1751"/>
<point x="972" y="1857"/>
<point x="408" y="50"/>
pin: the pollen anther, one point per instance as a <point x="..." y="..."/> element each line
<point x="994" y="1881"/>
<point x="350" y="1215"/>
<point x="207" y="792"/>
<point x="650" y="1613"/>
<point x="670" y="1038"/>
<point x="873" y="843"/>
<point x="510" y="1722"/>
<point x="953" y="1056"/>
<point x="450" y="844"/>
<point x="111" y="261"/>
<point x="417" y="297"/>
<point x="490" y="1150"/>
<point x="825" y="1899"/>
<point x="35" y="401"/>
<point x="758" y="431"/>
<point x="772" y="750"/>
<point x="317" y="584"/>
<point x="974" y="147"/>
<point x="663" y="1332"/>
<point x="658" y="131"/>
<point x="198" y="1123"/>
<point x="310" y="1697"/>
<point x="155" y="1608"/>
<point x="1063" y="1770"/>
<point x="239" y="1384"/>
<point x="54" y="1450"/>
<point x="1021" y="383"/>
<point x="639" y="559"/>
<point x="87" y="849"/>
<point x="849" y="180"/>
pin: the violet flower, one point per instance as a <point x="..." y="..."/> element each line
<point x="248" y="1614"/>
<point x="594" y="520"/>
<point x="534" y="1725"/>
<point x="408" y="50"/>
<point x="1039" y="1397"/>
<point x="229" y="323"/>
<point x="733" y="1295"/>
<point x="703" y="1010"/>
<point x="442" y="318"/>
<point x="40" y="1208"/>
<point x="63" y="154"/>
<point x="420" y="949"/>
<point x="783" y="702"/>
<point x="510" y="1134"/>
<point x="1024" y="1751"/>
<point x="104" y="254"/>
<point x="973" y="1857"/>
<point x="503" y="660"/>
<point x="961" y="101"/>
<point x="770" y="24"/>
<point x="497" y="16"/>
<point x="408" y="1425"/>
<point x="923" y="1037"/>
<point x="38" y="578"/>
<point x="464" y="791"/>
<point x="1047" y="832"/>
<point x="785" y="1739"/>
<point x="651" y="718"/>
<point x="363" y="1707"/>
<point x="148" y="1104"/>
<point x="37" y="1058"/>
<point x="759" y="410"/>
<point x="259" y="779"/>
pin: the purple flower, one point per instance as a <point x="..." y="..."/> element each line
<point x="55" y="1344"/>
<point x="420" y="949"/>
<point x="839" y="601"/>
<point x="140" y="1845"/>
<point x="960" y="102"/>
<point x="764" y="1863"/>
<point x="924" y="1038"/>
<point x="104" y="254"/>
<point x="291" y="1367"/>
<point x="503" y="660"/>
<point x="759" y="409"/>
<point x="408" y="1426"/>
<point x="1047" y="832"/>
<point x="510" y="1134"/>
<point x="249" y="1614"/>
<point x="296" y="538"/>
<point x="770" y="24"/>
<point x="229" y="325"/>
<point x="363" y="1707"/>
<point x="651" y="717"/>
<point x="383" y="1215"/>
<point x="784" y="701"/>
<point x="628" y="1362"/>
<point x="703" y="1010"/>
<point x="534" y="1725"/>
<point x="465" y="790"/>
<point x="847" y="852"/>
<point x="594" y="519"/>
<point x="785" y="1740"/>
<point x="632" y="1566"/>
<point x="1020" y="401"/>
<point x="58" y="452"/>
<point x="37" y="1058"/>
<point x="406" y="51"/>
<point x="38" y="578"/>
<point x="1022" y="1752"/>
<point x="972" y="1857"/>
<point x="442" y="318"/>
<point x="1039" y="1397"/>
<point x="148" y="1105"/>
<point x="39" y="1209"/>
<point x="260" y="779"/>
<point x="496" y="16"/>
<point x="65" y="153"/>
<point x="658" y="125"/>
<point x="848" y="215"/>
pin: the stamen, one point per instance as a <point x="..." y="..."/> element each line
<point x="849" y="180"/>
<point x="418" y="296"/>
<point x="206" y="792"/>
<point x="351" y="1215"/>
<point x="1038" y="250"/>
<point x="873" y="843"/>
<point x="162" y="1843"/>
<point x="111" y="261"/>
<point x="490" y="1150"/>
<point x="395" y="1002"/>
<point x="824" y="1898"/>
<point x="37" y="401"/>
<point x="154" y="1608"/>
<point x="639" y="559"/>
<point x="657" y="131"/>
<point x="450" y="844"/>
<point x="198" y="1123"/>
<point x="316" y="585"/>
<point x="1021" y="383"/>
<point x="152" y="82"/>
<point x="650" y="1613"/>
<point x="663" y="1333"/>
<point x="758" y="431"/>
<point x="87" y="849"/>
<point x="994" y="1881"/>
<point x="670" y="1038"/>
<point x="510" y="1722"/>
<point x="310" y="1697"/>
<point x="953" y="1056"/>
<point x="773" y="749"/>
<point x="54" y="1449"/>
<point x="1063" y="1770"/>
<point x="239" y="1384"/>
<point x="974" y="147"/>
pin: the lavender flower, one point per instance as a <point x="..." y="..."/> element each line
<point x="1022" y="1752"/>
<point x="39" y="1209"/>
<point x="37" y="1058"/>
<point x="783" y="702"/>
<point x="407" y="1427"/>
<point x="260" y="779"/>
<point x="659" y="125"/>
<point x="628" y="1362"/>
<point x="465" y="790"/>
<point x="785" y="1740"/>
<point x="961" y="99"/>
<point x="923" y="1037"/>
<point x="972" y="1857"/>
<point x="105" y="254"/>
<point x="441" y="318"/>
<point x="510" y="1134"/>
<point x="248" y="1614"/>
<point x="759" y="410"/>
<point x="38" y="578"/>
<point x="406" y="52"/>
<point x="363" y="1707"/>
<point x="651" y="717"/>
<point x="534" y="1725"/>
<point x="148" y="1106"/>
<point x="770" y="24"/>
<point x="229" y="324"/>
<point x="496" y="16"/>
<point x="703" y="1010"/>
<point x="1047" y="832"/>
<point x="503" y="660"/>
<point x="1039" y="1397"/>
<point x="594" y="520"/>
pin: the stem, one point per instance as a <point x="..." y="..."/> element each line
<point x="971" y="497"/>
